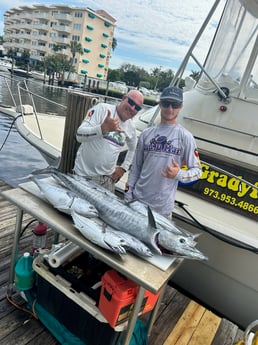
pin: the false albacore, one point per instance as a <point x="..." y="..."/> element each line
<point x="121" y="217"/>
<point x="64" y="200"/>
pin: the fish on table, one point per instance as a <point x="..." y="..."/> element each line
<point x="98" y="234"/>
<point x="117" y="214"/>
<point x="64" y="200"/>
<point x="107" y="237"/>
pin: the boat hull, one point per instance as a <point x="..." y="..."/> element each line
<point x="228" y="281"/>
<point x="20" y="72"/>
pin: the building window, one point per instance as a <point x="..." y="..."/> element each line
<point x="86" y="50"/>
<point x="103" y="45"/>
<point x="85" y="61"/>
<point x="107" y="24"/>
<point x="84" y="71"/>
<point x="99" y="75"/>
<point x="77" y="26"/>
<point x="91" y="15"/>
<point x="105" y="35"/>
<point x="88" y="39"/>
<point x="89" y="27"/>
<point x="78" y="14"/>
<point x="101" y="65"/>
<point x="102" y="55"/>
<point x="75" y="38"/>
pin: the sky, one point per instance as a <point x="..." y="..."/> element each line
<point x="149" y="33"/>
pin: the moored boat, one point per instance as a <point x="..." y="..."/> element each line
<point x="5" y="64"/>
<point x="39" y="75"/>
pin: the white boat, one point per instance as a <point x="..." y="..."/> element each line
<point x="5" y="64"/>
<point x="221" y="111"/>
<point x="39" y="75"/>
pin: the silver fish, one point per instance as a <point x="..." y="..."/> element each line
<point x="132" y="243"/>
<point x="99" y="234"/>
<point x="159" y="219"/>
<point x="121" y="217"/>
<point x="64" y="200"/>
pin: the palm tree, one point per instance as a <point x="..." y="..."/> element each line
<point x="114" y="43"/>
<point x="75" y="48"/>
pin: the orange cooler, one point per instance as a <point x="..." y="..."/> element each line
<point x="118" y="295"/>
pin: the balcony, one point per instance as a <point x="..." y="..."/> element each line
<point x="41" y="15"/>
<point x="61" y="40"/>
<point x="62" y="28"/>
<point x="41" y="26"/>
<point x="63" y="16"/>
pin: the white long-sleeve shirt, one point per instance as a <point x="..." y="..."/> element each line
<point x="156" y="148"/>
<point x="98" y="153"/>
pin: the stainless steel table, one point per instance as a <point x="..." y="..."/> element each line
<point x="148" y="276"/>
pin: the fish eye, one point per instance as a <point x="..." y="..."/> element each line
<point x="182" y="240"/>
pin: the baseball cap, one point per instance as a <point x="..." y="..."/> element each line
<point x="172" y="92"/>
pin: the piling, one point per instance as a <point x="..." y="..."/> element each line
<point x="78" y="105"/>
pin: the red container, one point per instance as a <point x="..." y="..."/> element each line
<point x="118" y="296"/>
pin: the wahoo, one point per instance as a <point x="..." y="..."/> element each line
<point x="107" y="237"/>
<point x="64" y="200"/>
<point x="98" y="234"/>
<point x="118" y="215"/>
<point x="159" y="219"/>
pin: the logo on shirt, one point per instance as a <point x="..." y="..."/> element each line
<point x="89" y="114"/>
<point x="115" y="137"/>
<point x="160" y="143"/>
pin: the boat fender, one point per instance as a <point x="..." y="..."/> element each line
<point x="94" y="101"/>
<point x="25" y="109"/>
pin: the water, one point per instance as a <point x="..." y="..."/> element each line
<point x="17" y="157"/>
<point x="53" y="94"/>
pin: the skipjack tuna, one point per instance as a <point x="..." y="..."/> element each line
<point x="120" y="216"/>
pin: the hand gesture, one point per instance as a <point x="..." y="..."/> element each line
<point x="171" y="170"/>
<point x="110" y="124"/>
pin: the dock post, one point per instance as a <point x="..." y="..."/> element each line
<point x="78" y="105"/>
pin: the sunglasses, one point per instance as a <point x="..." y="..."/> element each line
<point x="174" y="105"/>
<point x="133" y="104"/>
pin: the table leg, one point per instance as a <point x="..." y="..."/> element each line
<point x="134" y="316"/>
<point x="154" y="312"/>
<point x="14" y="256"/>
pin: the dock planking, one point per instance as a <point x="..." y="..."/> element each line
<point x="180" y="320"/>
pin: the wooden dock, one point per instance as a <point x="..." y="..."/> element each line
<point x="180" y="321"/>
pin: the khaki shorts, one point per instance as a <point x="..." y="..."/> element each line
<point x="104" y="181"/>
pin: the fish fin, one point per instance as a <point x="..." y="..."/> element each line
<point x="151" y="219"/>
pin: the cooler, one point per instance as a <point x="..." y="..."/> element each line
<point x="72" y="307"/>
<point x="118" y="295"/>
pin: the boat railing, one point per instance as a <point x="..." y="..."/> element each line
<point x="179" y="74"/>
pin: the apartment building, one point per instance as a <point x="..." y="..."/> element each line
<point x="37" y="29"/>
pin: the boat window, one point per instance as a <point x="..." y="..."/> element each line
<point x="232" y="60"/>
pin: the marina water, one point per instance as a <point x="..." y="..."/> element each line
<point x="17" y="157"/>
